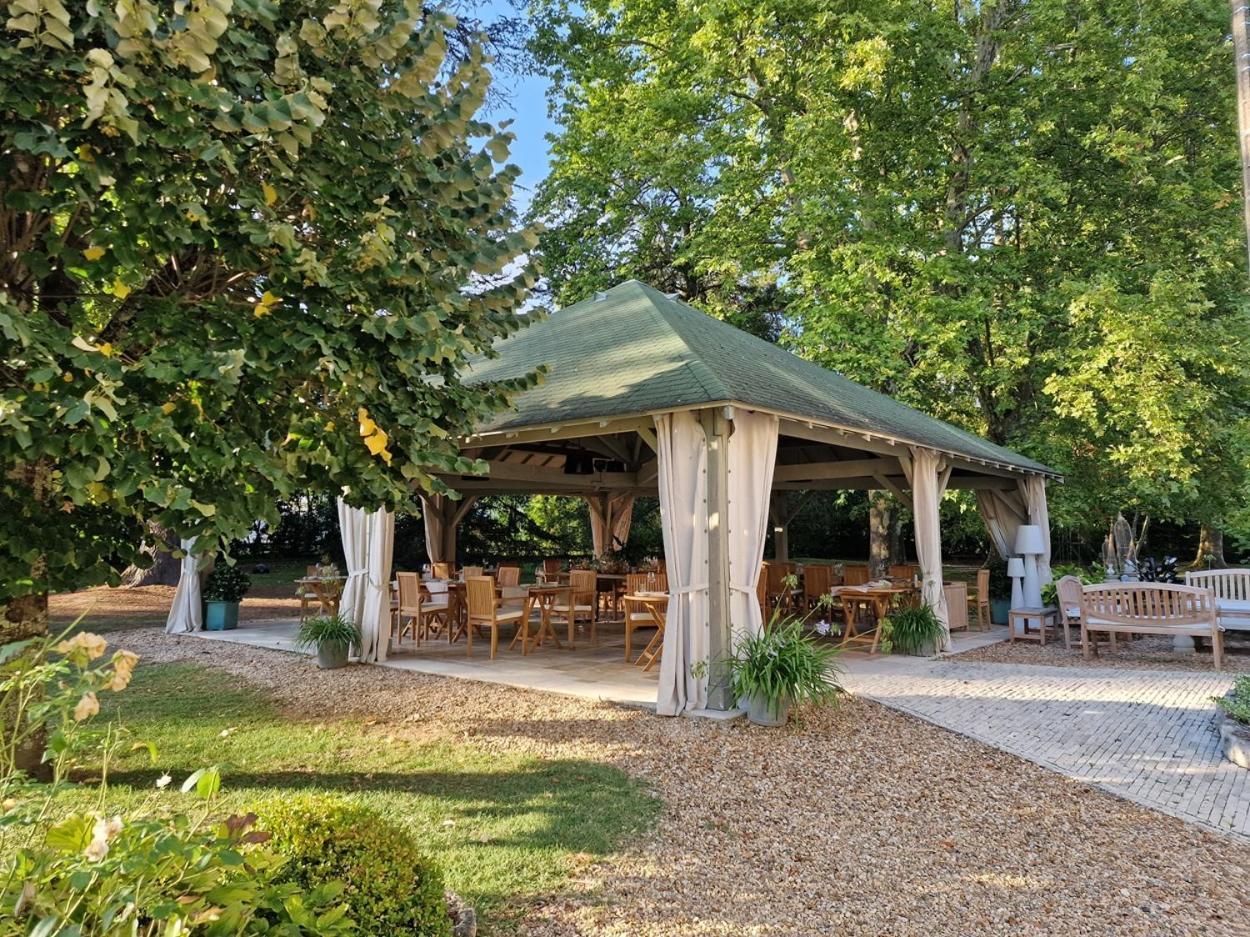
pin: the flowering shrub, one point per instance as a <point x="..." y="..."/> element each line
<point x="391" y="886"/>
<point x="157" y="871"/>
<point x="226" y="584"/>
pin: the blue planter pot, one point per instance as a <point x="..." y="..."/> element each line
<point x="221" y="616"/>
<point x="998" y="610"/>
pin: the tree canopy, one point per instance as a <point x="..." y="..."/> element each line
<point x="1020" y="215"/>
<point x="245" y="250"/>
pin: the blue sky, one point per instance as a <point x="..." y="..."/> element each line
<point x="528" y="109"/>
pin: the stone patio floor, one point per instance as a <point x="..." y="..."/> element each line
<point x="1144" y="735"/>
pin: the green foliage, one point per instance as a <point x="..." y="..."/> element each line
<point x="156" y="871"/>
<point x="1237" y="704"/>
<point x="1021" y="217"/>
<point x="783" y="664"/>
<point x="392" y="888"/>
<point x="1088" y="576"/>
<point x="244" y="252"/>
<point x="913" y="629"/>
<point x="226" y="583"/>
<point x="328" y="629"/>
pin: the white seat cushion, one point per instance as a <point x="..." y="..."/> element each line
<point x="579" y="608"/>
<point x="508" y="616"/>
<point x="642" y="617"/>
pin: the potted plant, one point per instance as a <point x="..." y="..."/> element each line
<point x="914" y="630"/>
<point x="332" y="635"/>
<point x="779" y="667"/>
<point x="223" y="591"/>
<point x="1000" y="592"/>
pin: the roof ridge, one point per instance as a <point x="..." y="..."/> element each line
<point x="671" y="312"/>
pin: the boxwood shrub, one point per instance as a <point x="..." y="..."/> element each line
<point x="392" y="887"/>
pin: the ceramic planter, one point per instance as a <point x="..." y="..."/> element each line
<point x="221" y="616"/>
<point x="332" y="655"/>
<point x="998" y="610"/>
<point x="761" y="714"/>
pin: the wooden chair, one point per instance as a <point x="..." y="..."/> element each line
<point x="442" y="570"/>
<point x="419" y="607"/>
<point x="307" y="595"/>
<point x="1068" y="597"/>
<point x="854" y="574"/>
<point x="761" y="594"/>
<point x="651" y="654"/>
<point x="1150" y="608"/>
<point x="550" y="569"/>
<point x="508" y="576"/>
<point x="817" y="581"/>
<point x="780" y="595"/>
<point x="484" y="612"/>
<point x="637" y="614"/>
<point x="471" y="572"/>
<point x="957" y="604"/>
<point x="582" y="592"/>
<point x="904" y="571"/>
<point x="979" y="601"/>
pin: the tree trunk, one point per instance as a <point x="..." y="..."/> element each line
<point x="1210" y="548"/>
<point x="880" y="513"/>
<point x="26" y="617"/>
<point x="165" y="568"/>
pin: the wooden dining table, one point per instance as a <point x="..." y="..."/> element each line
<point x="878" y="600"/>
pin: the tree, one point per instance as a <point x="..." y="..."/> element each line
<point x="970" y="206"/>
<point x="244" y="252"/>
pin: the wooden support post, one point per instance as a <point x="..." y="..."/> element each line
<point x="720" y="640"/>
<point x="779" y="513"/>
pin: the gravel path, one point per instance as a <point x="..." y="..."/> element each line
<point x="857" y="821"/>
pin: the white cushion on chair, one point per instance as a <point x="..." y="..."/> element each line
<point x="508" y="616"/>
<point x="576" y="608"/>
<point x="1073" y="613"/>
<point x="643" y="616"/>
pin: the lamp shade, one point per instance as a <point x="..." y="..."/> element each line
<point x="1029" y="539"/>
<point x="1015" y="567"/>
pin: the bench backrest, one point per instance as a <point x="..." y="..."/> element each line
<point x="1232" y="584"/>
<point x="1148" y="603"/>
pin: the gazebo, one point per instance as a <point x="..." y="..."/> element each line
<point x="644" y="395"/>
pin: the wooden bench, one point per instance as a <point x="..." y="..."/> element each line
<point x="1150" y="608"/>
<point x="1231" y="588"/>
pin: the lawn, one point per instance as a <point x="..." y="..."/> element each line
<point x="505" y="828"/>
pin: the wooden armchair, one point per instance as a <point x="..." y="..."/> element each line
<point x="817" y="581"/>
<point x="854" y="574"/>
<point x="550" y="570"/>
<point x="471" y="572"/>
<point x="979" y="600"/>
<point x="307" y="595"/>
<point x="637" y="614"/>
<point x="957" y="605"/>
<point x="423" y="613"/>
<point x="903" y="571"/>
<point x="484" y="612"/>
<point x="1068" y="597"/>
<point x="583" y="607"/>
<point x="781" y="595"/>
<point x="442" y="570"/>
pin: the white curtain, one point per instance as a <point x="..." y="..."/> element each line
<point x="682" y="482"/>
<point x="610" y="519"/>
<point x="368" y="539"/>
<point x="1003" y="511"/>
<point x="752" y="456"/>
<point x="1034" y="490"/>
<point x="186" y="613"/>
<point x="928" y="475"/>
<point x="440" y="533"/>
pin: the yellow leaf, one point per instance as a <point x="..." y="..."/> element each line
<point x="266" y="304"/>
<point x="107" y="349"/>
<point x="377" y="442"/>
<point x="120" y="289"/>
<point x="271" y="194"/>
<point x="168" y="407"/>
<point x="329" y="426"/>
<point x="94" y="253"/>
<point x="98" y="491"/>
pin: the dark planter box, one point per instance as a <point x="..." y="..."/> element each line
<point x="998" y="610"/>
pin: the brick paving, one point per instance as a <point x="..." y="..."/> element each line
<point x="1146" y="735"/>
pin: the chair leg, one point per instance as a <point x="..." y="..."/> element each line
<point x="494" y="639"/>
<point x="1217" y="648"/>
<point x="629" y="640"/>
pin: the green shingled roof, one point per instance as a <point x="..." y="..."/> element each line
<point x="632" y="350"/>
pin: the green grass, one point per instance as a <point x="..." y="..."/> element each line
<point x="504" y="828"/>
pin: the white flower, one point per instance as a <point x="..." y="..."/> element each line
<point x="87" y="707"/>
<point x="163" y="781"/>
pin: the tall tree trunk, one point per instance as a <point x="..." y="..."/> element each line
<point x="165" y="568"/>
<point x="880" y="520"/>
<point x="1210" y="548"/>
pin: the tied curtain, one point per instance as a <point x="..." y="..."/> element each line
<point x="186" y="613"/>
<point x="368" y="538"/>
<point x="1004" y="510"/>
<point x="441" y="515"/>
<point x="752" y="457"/>
<point x="928" y="474"/>
<point x="751" y="454"/>
<point x="610" y="518"/>
<point x="682" y="482"/>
